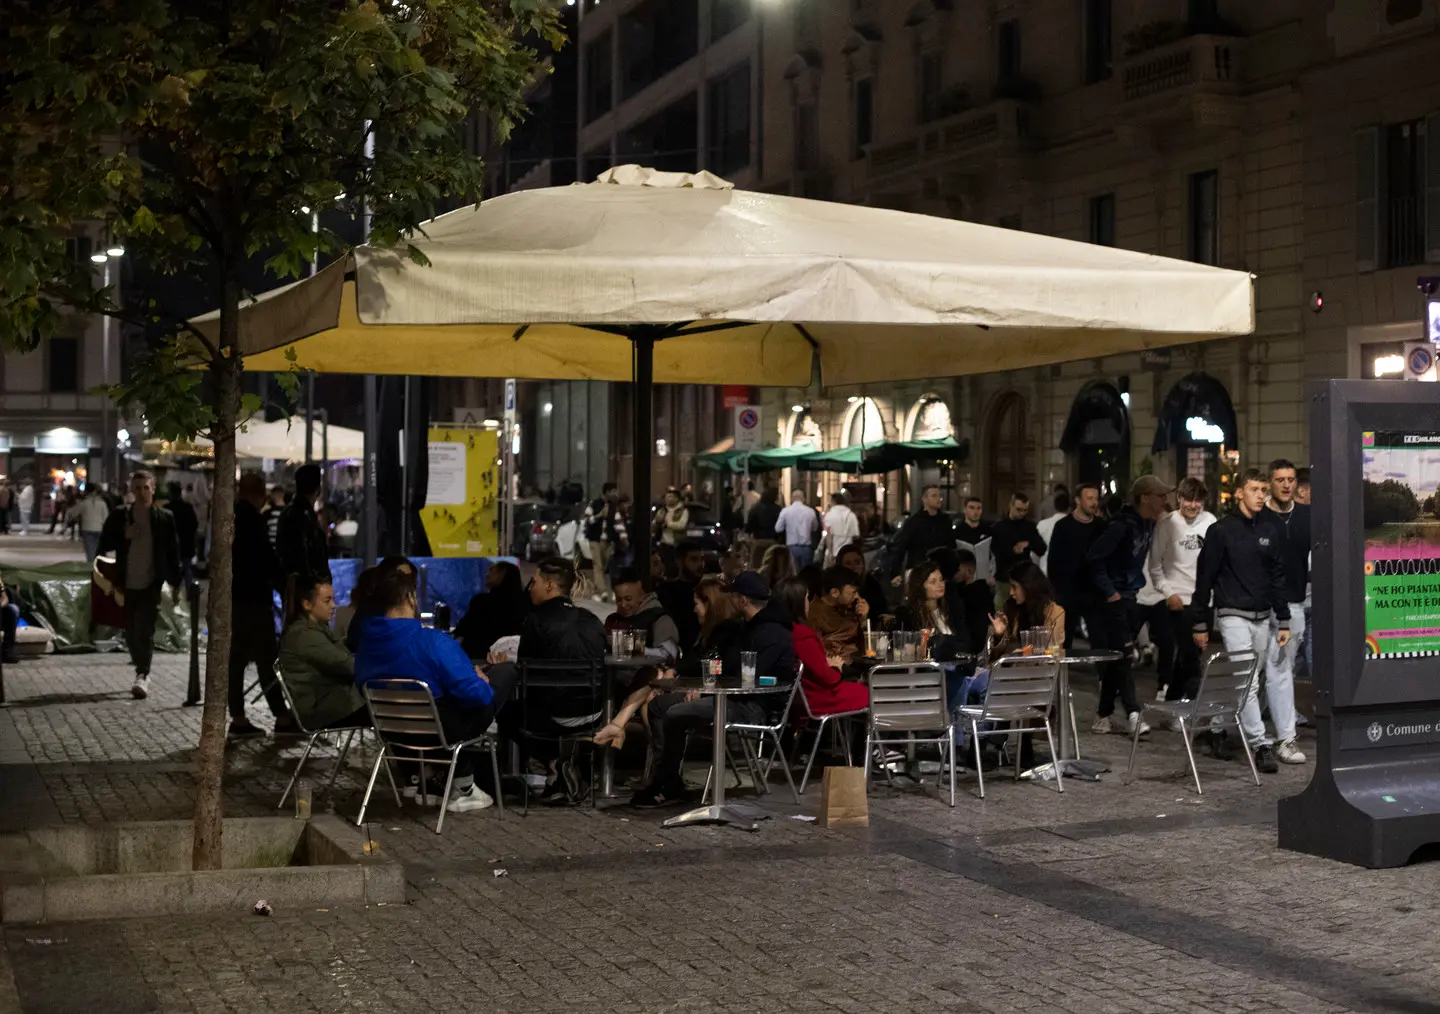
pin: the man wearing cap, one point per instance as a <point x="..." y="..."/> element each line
<point x="767" y="633"/>
<point x="1116" y="562"/>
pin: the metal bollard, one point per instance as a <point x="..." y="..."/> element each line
<point x="192" y="694"/>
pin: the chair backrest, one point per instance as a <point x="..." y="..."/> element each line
<point x="1020" y="686"/>
<point x="562" y="672"/>
<point x="404" y="708"/>
<point x="1224" y="683"/>
<point x="290" y="701"/>
<point x="908" y="697"/>
<point x="776" y="720"/>
<point x="800" y="689"/>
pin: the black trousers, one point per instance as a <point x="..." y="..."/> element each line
<point x="142" y="611"/>
<point x="9" y="623"/>
<point x="462" y="722"/>
<point x="1162" y="635"/>
<point x="1113" y="626"/>
<point x="1185" y="680"/>
<point x="252" y="639"/>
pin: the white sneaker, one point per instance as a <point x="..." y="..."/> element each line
<point x="1133" y="721"/>
<point x="1101" y="726"/>
<point x="141" y="689"/>
<point x="473" y="798"/>
<point x="1288" y="753"/>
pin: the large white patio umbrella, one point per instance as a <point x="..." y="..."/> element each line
<point x="679" y="278"/>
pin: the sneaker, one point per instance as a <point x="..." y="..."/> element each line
<point x="654" y="798"/>
<point x="287" y="726"/>
<point x="1133" y="722"/>
<point x="1101" y="726"/>
<point x="1265" y="760"/>
<point x="1288" y="753"/>
<point x="468" y="799"/>
<point x="412" y="788"/>
<point x="243" y="728"/>
<point x="141" y="689"/>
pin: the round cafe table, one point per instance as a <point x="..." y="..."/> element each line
<point x="720" y="812"/>
<point x="616" y="664"/>
<point x="1069" y="759"/>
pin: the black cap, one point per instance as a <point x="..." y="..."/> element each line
<point x="751" y="585"/>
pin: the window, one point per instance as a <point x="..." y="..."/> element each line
<point x="1098" y="35"/>
<point x="864" y="115"/>
<point x="667" y="140"/>
<point x="726" y="16"/>
<point x="1203" y="218"/>
<point x="64" y="366"/>
<point x="599" y="76"/>
<point x="1007" y="55"/>
<point x="929" y="83"/>
<point x="1402" y="221"/>
<point x="1100" y="229"/>
<point x="1397" y="195"/>
<point x="728" y="103"/>
<point x="807" y="138"/>
<point x="77" y="249"/>
<point x="655" y="38"/>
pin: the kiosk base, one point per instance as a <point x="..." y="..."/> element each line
<point x="1377" y="810"/>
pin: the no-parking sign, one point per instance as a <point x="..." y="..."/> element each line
<point x="747" y="428"/>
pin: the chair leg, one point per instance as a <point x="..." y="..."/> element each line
<point x="309" y="744"/>
<point x="1074" y="728"/>
<point x="845" y="740"/>
<point x="869" y="759"/>
<point x="1134" y="746"/>
<point x="1054" y="757"/>
<point x="814" y="749"/>
<point x="1019" y="746"/>
<point x="730" y="760"/>
<point x="761" y="782"/>
<point x="340" y="762"/>
<point x="445" y="796"/>
<point x="975" y="738"/>
<point x="950" y="750"/>
<point x="790" y="778"/>
<point x="390" y="777"/>
<point x="374" y="773"/>
<point x="495" y="769"/>
<point x="705" y="792"/>
<point x="1249" y="753"/>
<point x="1190" y="753"/>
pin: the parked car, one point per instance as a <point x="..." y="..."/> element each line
<point x="536" y="527"/>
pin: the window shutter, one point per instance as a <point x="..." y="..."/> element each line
<point x="1367" y="199"/>
<point x="1432" y="190"/>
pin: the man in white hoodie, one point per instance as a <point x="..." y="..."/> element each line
<point x="842" y="528"/>
<point x="1173" y="561"/>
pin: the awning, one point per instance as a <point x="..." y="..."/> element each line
<point x="769" y="460"/>
<point x="878" y="457"/>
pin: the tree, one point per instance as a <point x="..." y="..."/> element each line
<point x="196" y="131"/>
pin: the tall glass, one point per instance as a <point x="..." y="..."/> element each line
<point x="637" y="643"/>
<point x="748" y="662"/>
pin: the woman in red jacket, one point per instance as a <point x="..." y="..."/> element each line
<point x="825" y="690"/>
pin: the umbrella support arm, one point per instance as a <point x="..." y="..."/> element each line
<point x="642" y="422"/>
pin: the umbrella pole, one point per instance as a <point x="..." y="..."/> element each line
<point x="369" y="519"/>
<point x="642" y="425"/>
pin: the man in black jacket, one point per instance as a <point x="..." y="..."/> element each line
<point x="1116" y="562"/>
<point x="761" y="522"/>
<point x="147" y="555"/>
<point x="928" y="528"/>
<point x="1015" y="537"/>
<point x="1069" y="542"/>
<point x="1241" y="567"/>
<point x="256" y="576"/>
<point x="678" y="595"/>
<point x="299" y="537"/>
<point x="767" y="632"/>
<point x="1291" y="520"/>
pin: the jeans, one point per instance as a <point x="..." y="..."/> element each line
<point x="92" y="546"/>
<point x="142" y="610"/>
<point x="461" y="723"/>
<point x="600" y="566"/>
<point x="1113" y="626"/>
<point x="1240" y="634"/>
<point x="802" y="555"/>
<point x="1280" y="672"/>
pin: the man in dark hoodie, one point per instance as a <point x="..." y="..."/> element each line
<point x="395" y="646"/>
<point x="256" y="577"/>
<point x="1116" y="561"/>
<point x="928" y="528"/>
<point x="767" y="632"/>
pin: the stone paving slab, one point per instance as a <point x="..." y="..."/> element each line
<point x="1108" y="898"/>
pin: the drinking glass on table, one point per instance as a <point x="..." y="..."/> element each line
<point x="637" y="643"/>
<point x="710" y="672"/>
<point x="748" y="661"/>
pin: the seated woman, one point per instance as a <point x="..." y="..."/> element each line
<point x="925" y="606"/>
<point x="496" y="612"/>
<point x="720" y="627"/>
<point x="826" y="691"/>
<point x="319" y="670"/>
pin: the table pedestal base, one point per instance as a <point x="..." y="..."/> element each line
<point x="739" y="814"/>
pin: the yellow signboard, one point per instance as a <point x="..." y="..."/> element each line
<point x="462" y="498"/>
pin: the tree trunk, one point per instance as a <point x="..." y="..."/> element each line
<point x="210" y="759"/>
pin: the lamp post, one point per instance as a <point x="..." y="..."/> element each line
<point x="107" y="438"/>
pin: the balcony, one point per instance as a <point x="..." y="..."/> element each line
<point x="986" y="135"/>
<point x="1193" y="80"/>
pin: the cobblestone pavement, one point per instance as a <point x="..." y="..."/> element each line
<point x="1107" y="898"/>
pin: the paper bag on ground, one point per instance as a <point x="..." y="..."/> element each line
<point x="842" y="798"/>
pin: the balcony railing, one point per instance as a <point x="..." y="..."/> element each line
<point x="1404" y="232"/>
<point x="1197" y="60"/>
<point x="999" y="123"/>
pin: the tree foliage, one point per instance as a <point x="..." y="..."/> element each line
<point x="1388" y="502"/>
<point x="196" y="131"/>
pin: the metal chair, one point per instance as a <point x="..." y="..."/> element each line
<point x="406" y="708"/>
<point x="760" y="731"/>
<point x="1225" y="683"/>
<point x="909" y="698"/>
<point x="820" y="721"/>
<point x="563" y="674"/>
<point x="1021" y="688"/>
<point x="311" y="736"/>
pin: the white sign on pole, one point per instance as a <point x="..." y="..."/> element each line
<point x="747" y="428"/>
<point x="447" y="475"/>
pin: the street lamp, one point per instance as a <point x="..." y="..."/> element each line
<point x="108" y="258"/>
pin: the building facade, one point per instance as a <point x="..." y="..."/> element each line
<point x="1287" y="138"/>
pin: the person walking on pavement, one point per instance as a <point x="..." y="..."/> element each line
<point x="1046" y="526"/>
<point x="187" y="523"/>
<point x="1291" y="521"/>
<point x="299" y="537"/>
<point x="147" y="555"/>
<point x="94" y="511"/>
<point x="26" y="501"/>
<point x="672" y="520"/>
<point x="796" y="525"/>
<point x="1174" y="558"/>
<point x="1116" y="562"/>
<point x="256" y="577"/>
<point x="596" y="531"/>
<point x="1242" y="574"/>
<point x="760" y="525"/>
<point x="842" y="528"/>
<point x="1015" y="537"/>
<point x="7" y="501"/>
<point x="928" y="528"/>
<point x="1065" y="562"/>
<point x="971" y="532"/>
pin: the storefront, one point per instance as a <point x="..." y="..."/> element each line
<point x="929" y="419"/>
<point x="1096" y="440"/>
<point x="1197" y="422"/>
